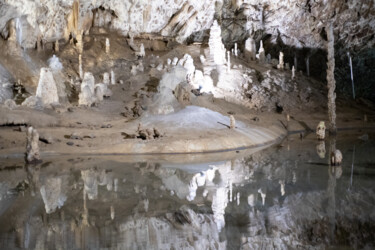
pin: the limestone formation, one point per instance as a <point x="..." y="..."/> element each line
<point x="217" y="50"/>
<point x="235" y="49"/>
<point x="141" y="53"/>
<point x="107" y="46"/>
<point x="250" y="49"/>
<point x="57" y="47"/>
<point x="47" y="89"/>
<point x="87" y="96"/>
<point x="336" y="158"/>
<point x="331" y="79"/>
<point x="232" y="122"/>
<point x="32" y="145"/>
<point x="321" y="130"/>
<point x="188" y="64"/>
<point x="80" y="70"/>
<point x="106" y="78"/>
<point x="281" y="61"/>
<point x="228" y="61"/>
<point x="293" y="73"/>
<point x="113" y="78"/>
<point x="261" y="53"/>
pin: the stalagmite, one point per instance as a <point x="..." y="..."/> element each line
<point x="235" y="49"/>
<point x="80" y="70"/>
<point x="293" y="72"/>
<point x="141" y="53"/>
<point x="281" y="61"/>
<point x="57" y="47"/>
<point x="32" y="145"/>
<point x="336" y="158"/>
<point x="262" y="54"/>
<point x="228" y="61"/>
<point x="331" y="79"/>
<point x="87" y="96"/>
<point x="321" y="130"/>
<point x="250" y="49"/>
<point x="232" y="122"/>
<point x="47" y="89"/>
<point x="107" y="46"/>
<point x="113" y="78"/>
<point x="217" y="50"/>
<point x="106" y="78"/>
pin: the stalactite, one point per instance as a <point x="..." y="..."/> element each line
<point x="331" y="80"/>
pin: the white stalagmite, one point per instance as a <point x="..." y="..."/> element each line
<point x="107" y="46"/>
<point x="106" y="78"/>
<point x="141" y="52"/>
<point x="250" y="49"/>
<point x="47" y="90"/>
<point x="113" y="78"/>
<point x="228" y="61"/>
<point x="87" y="96"/>
<point x="321" y="130"/>
<point x="32" y="145"/>
<point x="232" y="122"/>
<point x="293" y="72"/>
<point x="281" y="61"/>
<point x="262" y="53"/>
<point x="80" y="66"/>
<point x="217" y="50"/>
<point x="235" y="49"/>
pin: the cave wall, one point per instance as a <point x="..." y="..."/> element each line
<point x="296" y="27"/>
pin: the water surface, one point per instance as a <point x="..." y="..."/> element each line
<point x="286" y="196"/>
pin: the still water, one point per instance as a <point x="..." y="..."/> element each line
<point x="282" y="197"/>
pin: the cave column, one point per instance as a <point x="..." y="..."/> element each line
<point x="331" y="79"/>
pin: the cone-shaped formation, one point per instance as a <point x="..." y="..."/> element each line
<point x="47" y="90"/>
<point x="217" y="50"/>
<point x="262" y="53"/>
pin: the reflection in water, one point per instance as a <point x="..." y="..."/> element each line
<point x="274" y="198"/>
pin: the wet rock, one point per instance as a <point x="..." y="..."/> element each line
<point x="70" y="143"/>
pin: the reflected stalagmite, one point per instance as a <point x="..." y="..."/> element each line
<point x="32" y="145"/>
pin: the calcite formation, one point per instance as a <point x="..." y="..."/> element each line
<point x="250" y="49"/>
<point x="87" y="96"/>
<point x="47" y="90"/>
<point x="336" y="158"/>
<point x="321" y="130"/>
<point x="32" y="145"/>
<point x="261" y="53"/>
<point x="217" y="50"/>
<point x="281" y="61"/>
<point x="232" y="122"/>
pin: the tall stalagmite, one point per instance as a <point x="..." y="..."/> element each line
<point x="331" y="79"/>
